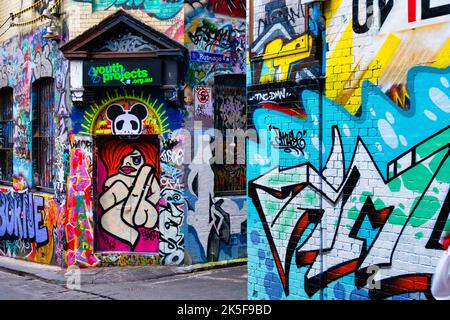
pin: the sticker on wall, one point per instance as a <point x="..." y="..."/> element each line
<point x="126" y="115"/>
<point x="203" y="102"/>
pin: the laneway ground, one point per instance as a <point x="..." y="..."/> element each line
<point x="152" y="283"/>
<point x="221" y="284"/>
<point x="15" y="287"/>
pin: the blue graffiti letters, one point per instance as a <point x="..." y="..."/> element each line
<point x="21" y="218"/>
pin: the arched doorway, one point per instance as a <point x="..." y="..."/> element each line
<point x="127" y="173"/>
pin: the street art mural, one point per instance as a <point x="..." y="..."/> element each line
<point x="357" y="213"/>
<point x="231" y="8"/>
<point x="284" y="34"/>
<point x="127" y="114"/>
<point x="128" y="189"/>
<point x="172" y="202"/>
<point x="140" y="151"/>
<point x="378" y="61"/>
<point x="215" y="224"/>
<point x="217" y="47"/>
<point x="31" y="227"/>
<point x="161" y="9"/>
<point x="25" y="59"/>
<point x="79" y="205"/>
<point x="166" y="15"/>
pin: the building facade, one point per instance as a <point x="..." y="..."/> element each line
<point x="348" y="184"/>
<point x="101" y="105"/>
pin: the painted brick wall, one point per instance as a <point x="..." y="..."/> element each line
<point x="215" y="225"/>
<point x="82" y="15"/>
<point x="192" y="216"/>
<point x="360" y="174"/>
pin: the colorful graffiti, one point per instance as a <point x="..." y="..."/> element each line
<point x="378" y="60"/>
<point x="367" y="223"/>
<point x="286" y="38"/>
<point x="30" y="227"/>
<point x="217" y="47"/>
<point x="231" y="8"/>
<point x="125" y="114"/>
<point x="208" y="37"/>
<point x="89" y="169"/>
<point x="161" y="9"/>
<point x="357" y="212"/>
<point x="79" y="205"/>
<point x="172" y="202"/>
<point x="217" y="225"/>
<point x="129" y="192"/>
<point x="25" y="59"/>
<point x="124" y="259"/>
<point x="215" y="33"/>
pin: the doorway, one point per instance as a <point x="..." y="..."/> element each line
<point x="128" y="193"/>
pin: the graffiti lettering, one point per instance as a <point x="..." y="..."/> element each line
<point x="171" y="204"/>
<point x="161" y="9"/>
<point x="428" y="10"/>
<point x="210" y="36"/>
<point x="290" y="142"/>
<point x="378" y="212"/>
<point x="278" y="12"/>
<point x="21" y="218"/>
<point x="273" y="95"/>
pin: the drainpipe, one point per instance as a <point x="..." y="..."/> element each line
<point x="321" y="83"/>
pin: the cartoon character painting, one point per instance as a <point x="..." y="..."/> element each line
<point x="128" y="201"/>
<point x="126" y="121"/>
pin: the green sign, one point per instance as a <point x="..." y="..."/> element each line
<point x="124" y="73"/>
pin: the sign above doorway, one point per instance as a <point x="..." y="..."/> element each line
<point x="122" y="73"/>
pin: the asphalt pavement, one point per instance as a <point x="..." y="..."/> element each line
<point x="20" y="280"/>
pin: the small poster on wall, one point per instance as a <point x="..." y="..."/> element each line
<point x="203" y="102"/>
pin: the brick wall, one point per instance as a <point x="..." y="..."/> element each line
<point x="215" y="226"/>
<point x="348" y="193"/>
<point x="82" y="16"/>
<point x="8" y="7"/>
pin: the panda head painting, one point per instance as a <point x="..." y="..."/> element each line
<point x="126" y="122"/>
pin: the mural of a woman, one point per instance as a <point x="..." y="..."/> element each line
<point x="130" y="195"/>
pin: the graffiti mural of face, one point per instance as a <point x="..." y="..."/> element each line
<point x="132" y="163"/>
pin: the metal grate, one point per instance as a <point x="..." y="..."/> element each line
<point x="6" y="135"/>
<point x="43" y="98"/>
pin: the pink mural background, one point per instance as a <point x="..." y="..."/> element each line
<point x="148" y="240"/>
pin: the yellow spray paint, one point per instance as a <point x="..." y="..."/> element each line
<point x="342" y="84"/>
<point x="278" y="57"/>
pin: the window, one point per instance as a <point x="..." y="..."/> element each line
<point x="6" y="135"/>
<point x="43" y="100"/>
<point x="231" y="116"/>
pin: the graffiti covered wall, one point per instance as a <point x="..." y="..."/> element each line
<point x="215" y="36"/>
<point x="33" y="223"/>
<point x="165" y="16"/>
<point x="347" y="198"/>
<point x="153" y="222"/>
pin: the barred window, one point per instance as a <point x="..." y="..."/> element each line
<point x="6" y="135"/>
<point x="43" y="99"/>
